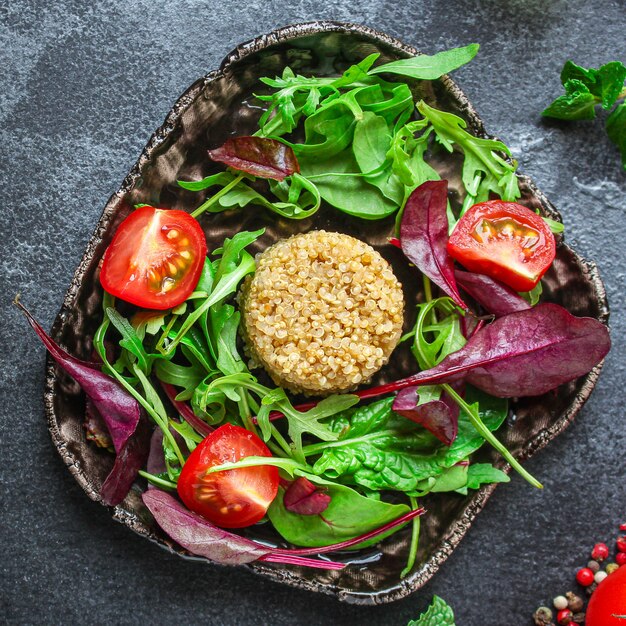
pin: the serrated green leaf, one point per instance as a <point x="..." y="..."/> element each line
<point x="577" y="105"/>
<point x="437" y="614"/>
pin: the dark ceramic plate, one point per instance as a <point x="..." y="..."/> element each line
<point x="214" y="107"/>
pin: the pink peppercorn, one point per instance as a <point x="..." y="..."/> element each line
<point x="584" y="577"/>
<point x="620" y="558"/>
<point x="600" y="552"/>
<point x="621" y="544"/>
<point x="564" y="617"/>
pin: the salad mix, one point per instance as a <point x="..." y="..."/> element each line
<point x="220" y="446"/>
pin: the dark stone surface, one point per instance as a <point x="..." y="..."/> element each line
<point x="83" y="87"/>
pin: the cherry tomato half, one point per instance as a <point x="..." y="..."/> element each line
<point x="607" y="606"/>
<point x="232" y="498"/>
<point x="504" y="240"/>
<point x="155" y="258"/>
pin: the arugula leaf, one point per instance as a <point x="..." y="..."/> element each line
<point x="348" y="515"/>
<point x="484" y="170"/>
<point x="437" y="614"/>
<point x="616" y="129"/>
<point x="425" y="67"/>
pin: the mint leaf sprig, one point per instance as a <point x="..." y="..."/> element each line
<point x="585" y="89"/>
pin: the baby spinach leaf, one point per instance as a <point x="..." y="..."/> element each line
<point x="372" y="141"/>
<point x="424" y="236"/>
<point x="347" y="516"/>
<point x="259" y="156"/>
<point x="426" y="67"/>
<point x="342" y="185"/>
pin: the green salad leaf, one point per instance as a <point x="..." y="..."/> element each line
<point x="439" y="613"/>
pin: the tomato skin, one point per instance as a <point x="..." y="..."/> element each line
<point x="505" y="241"/>
<point x="155" y="258"/>
<point x="232" y="498"/>
<point x="608" y="601"/>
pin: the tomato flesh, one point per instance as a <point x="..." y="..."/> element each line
<point x="155" y="258"/>
<point x="232" y="498"/>
<point x="504" y="240"/>
<point x="607" y="606"/>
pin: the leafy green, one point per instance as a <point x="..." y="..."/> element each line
<point x="484" y="169"/>
<point x="437" y="614"/>
<point x="429" y="67"/>
<point x="348" y="515"/>
<point x="386" y="451"/>
<point x="587" y="88"/>
<point x="616" y="129"/>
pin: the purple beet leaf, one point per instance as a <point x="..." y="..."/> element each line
<point x="118" y="409"/>
<point x="424" y="236"/>
<point x="129" y="460"/>
<point x="305" y="498"/>
<point x="492" y="295"/>
<point x="200" y="537"/>
<point x="95" y="427"/>
<point x="440" y="417"/>
<point x="259" y="156"/>
<point x="522" y="354"/>
<point x="156" y="457"/>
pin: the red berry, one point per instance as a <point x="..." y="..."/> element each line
<point x="621" y="544"/>
<point x="622" y="526"/>
<point x="584" y="576"/>
<point x="564" y="617"/>
<point x="600" y="552"/>
<point x="620" y="558"/>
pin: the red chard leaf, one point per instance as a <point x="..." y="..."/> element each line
<point x="305" y="498"/>
<point x="118" y="409"/>
<point x="259" y="156"/>
<point x="129" y="460"/>
<point x="424" y="236"/>
<point x="200" y="537"/>
<point x="95" y="427"/>
<point x="440" y="417"/>
<point x="492" y="295"/>
<point x="522" y="354"/>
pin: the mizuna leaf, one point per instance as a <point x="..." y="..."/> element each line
<point x="424" y="236"/>
<point x="259" y="156"/>
<point x="550" y="347"/>
<point x="304" y="498"/>
<point x="118" y="409"/>
<point x="492" y="295"/>
<point x="440" y="417"/>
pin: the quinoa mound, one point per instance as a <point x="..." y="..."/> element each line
<point x="322" y="313"/>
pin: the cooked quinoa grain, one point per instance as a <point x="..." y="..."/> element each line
<point x="322" y="313"/>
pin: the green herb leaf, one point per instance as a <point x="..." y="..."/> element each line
<point x="427" y="67"/>
<point x="484" y="473"/>
<point x="438" y="614"/>
<point x="577" y="105"/>
<point x="616" y="129"/>
<point x="348" y="515"/>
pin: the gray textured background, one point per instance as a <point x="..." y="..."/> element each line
<point x="82" y="87"/>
